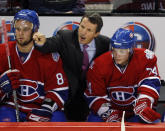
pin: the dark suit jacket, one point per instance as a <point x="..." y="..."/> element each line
<point x="67" y="45"/>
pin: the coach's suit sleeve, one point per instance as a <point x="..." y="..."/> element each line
<point x="52" y="44"/>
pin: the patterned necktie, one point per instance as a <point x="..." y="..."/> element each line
<point x="85" y="58"/>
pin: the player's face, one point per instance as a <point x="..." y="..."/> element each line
<point x="23" y="32"/>
<point x="120" y="56"/>
<point x="87" y="31"/>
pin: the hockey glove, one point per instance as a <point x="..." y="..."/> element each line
<point x="39" y="115"/>
<point x="144" y="110"/>
<point x="112" y="116"/>
<point x="43" y="114"/>
<point x="9" y="80"/>
<point x="108" y="114"/>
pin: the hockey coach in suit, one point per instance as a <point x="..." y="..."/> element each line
<point x="69" y="44"/>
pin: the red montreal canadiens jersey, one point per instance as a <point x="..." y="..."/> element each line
<point x="42" y="76"/>
<point x="107" y="83"/>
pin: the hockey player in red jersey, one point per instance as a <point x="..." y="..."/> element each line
<point x="39" y="79"/>
<point x="124" y="79"/>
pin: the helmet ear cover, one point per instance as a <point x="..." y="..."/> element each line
<point x="28" y="15"/>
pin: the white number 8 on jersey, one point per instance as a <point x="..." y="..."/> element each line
<point x="60" y="79"/>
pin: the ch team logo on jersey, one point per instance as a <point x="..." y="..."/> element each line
<point x="122" y="95"/>
<point x="143" y="36"/>
<point x="30" y="90"/>
<point x="69" y="25"/>
<point x="10" y="33"/>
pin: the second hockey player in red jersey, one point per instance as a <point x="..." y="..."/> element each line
<point x="124" y="79"/>
<point x="39" y="79"/>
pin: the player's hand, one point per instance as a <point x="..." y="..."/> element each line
<point x="43" y="114"/>
<point x="144" y="110"/>
<point x="9" y="80"/>
<point x="39" y="38"/>
<point x="112" y="116"/>
<point x="39" y="115"/>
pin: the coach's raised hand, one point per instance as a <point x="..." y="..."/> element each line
<point x="39" y="38"/>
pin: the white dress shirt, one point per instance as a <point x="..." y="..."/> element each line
<point x="91" y="49"/>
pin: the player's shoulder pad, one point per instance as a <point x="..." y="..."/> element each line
<point x="149" y="54"/>
<point x="144" y="54"/>
<point x="105" y="58"/>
